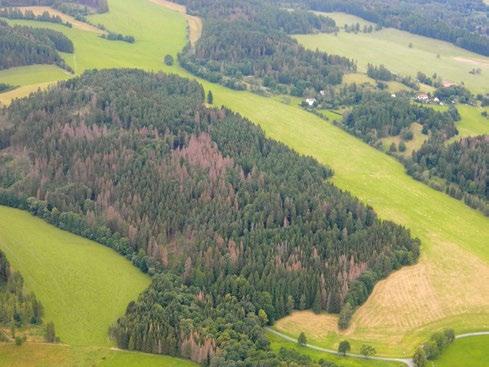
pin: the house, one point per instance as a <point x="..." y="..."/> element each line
<point x="310" y="101"/>
<point x="436" y="100"/>
<point x="423" y="98"/>
<point x="393" y="95"/>
<point x="322" y="93"/>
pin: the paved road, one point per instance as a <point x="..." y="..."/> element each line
<point x="477" y="333"/>
<point x="407" y="361"/>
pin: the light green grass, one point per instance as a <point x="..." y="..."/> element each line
<point x="473" y="352"/>
<point x="83" y="286"/>
<point x="472" y="123"/>
<point x="277" y="343"/>
<point x="390" y="47"/>
<point x="49" y="355"/>
<point x="32" y="74"/>
<point x="454" y="236"/>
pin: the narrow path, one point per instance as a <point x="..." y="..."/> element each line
<point x="467" y="335"/>
<point x="407" y="361"/>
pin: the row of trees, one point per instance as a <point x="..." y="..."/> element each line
<point x="26" y="46"/>
<point x="198" y="193"/>
<point x="15" y="13"/>
<point x="247" y="43"/>
<point x="433" y="348"/>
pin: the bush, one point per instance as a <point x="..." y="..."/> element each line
<point x="168" y="60"/>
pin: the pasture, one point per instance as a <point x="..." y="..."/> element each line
<point x="84" y="287"/>
<point x="48" y="355"/>
<point x="390" y="47"/>
<point x="473" y="352"/>
<point x="277" y="343"/>
<point x="409" y="304"/>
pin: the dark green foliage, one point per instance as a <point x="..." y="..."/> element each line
<point x="452" y="94"/>
<point x="72" y="7"/>
<point x="25" y="46"/>
<point x="245" y="41"/>
<point x="367" y="350"/>
<point x="135" y="161"/>
<point x="379" y="115"/>
<point x="118" y="37"/>
<point x="168" y="60"/>
<point x="462" y="22"/>
<point x="50" y="334"/>
<point x="462" y="165"/>
<point x="345" y="316"/>
<point x="434" y="347"/>
<point x="5" y="87"/>
<point x="379" y="73"/>
<point x="344" y="347"/>
<point x="17" y="308"/>
<point x="210" y="97"/>
<point x="302" y="340"/>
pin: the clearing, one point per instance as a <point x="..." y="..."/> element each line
<point x="390" y="47"/>
<point x="473" y="352"/>
<point x="406" y="307"/>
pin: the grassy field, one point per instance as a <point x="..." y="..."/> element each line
<point x="82" y="304"/>
<point x="472" y="123"/>
<point x="390" y="47"/>
<point x="277" y="343"/>
<point x="48" y="355"/>
<point x="405" y="308"/>
<point x="473" y="352"/>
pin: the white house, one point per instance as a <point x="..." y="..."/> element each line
<point x="310" y="101"/>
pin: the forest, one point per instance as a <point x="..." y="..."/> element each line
<point x="462" y="167"/>
<point x="17" y="307"/>
<point x="464" y="23"/>
<point x="246" y="45"/>
<point x="21" y="46"/>
<point x="229" y="218"/>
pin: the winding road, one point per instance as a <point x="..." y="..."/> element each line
<point x="407" y="361"/>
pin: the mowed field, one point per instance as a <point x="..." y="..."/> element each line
<point x="390" y="47"/>
<point x="449" y="286"/>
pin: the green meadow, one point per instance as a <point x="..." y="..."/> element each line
<point x="49" y="355"/>
<point x="277" y="343"/>
<point x="390" y="47"/>
<point x="412" y="302"/>
<point x="473" y="352"/>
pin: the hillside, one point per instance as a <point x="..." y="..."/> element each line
<point x="453" y="236"/>
<point x="226" y="216"/>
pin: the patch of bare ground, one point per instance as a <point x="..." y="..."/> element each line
<point x="475" y="62"/>
<point x="194" y="23"/>
<point x="38" y="10"/>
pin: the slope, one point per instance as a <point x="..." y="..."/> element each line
<point x="409" y="304"/>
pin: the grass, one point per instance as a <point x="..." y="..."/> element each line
<point x="277" y="343"/>
<point x="82" y="304"/>
<point x="473" y="352"/>
<point x="390" y="47"/>
<point x="32" y="74"/>
<point x="411" y="145"/>
<point x="472" y="123"/>
<point x="49" y="355"/>
<point x="449" y="286"/>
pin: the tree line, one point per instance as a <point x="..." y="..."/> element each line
<point x="136" y="162"/>
<point x="21" y="46"/>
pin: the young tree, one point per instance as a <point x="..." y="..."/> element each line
<point x="262" y="315"/>
<point x="168" y="60"/>
<point x="344" y="347"/>
<point x="402" y="146"/>
<point x="302" y="340"/>
<point x="210" y="98"/>
<point x="393" y="148"/>
<point x="345" y="316"/>
<point x="50" y="335"/>
<point x="420" y="357"/>
<point x="367" y="350"/>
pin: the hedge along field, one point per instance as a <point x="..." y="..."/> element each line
<point x="391" y="48"/>
<point x="450" y="285"/>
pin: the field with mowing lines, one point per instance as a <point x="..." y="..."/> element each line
<point x="411" y="303"/>
<point x="82" y="304"/>
<point x="390" y="47"/>
<point x="49" y="355"/>
<point x="473" y="352"/>
<point x="277" y="343"/>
